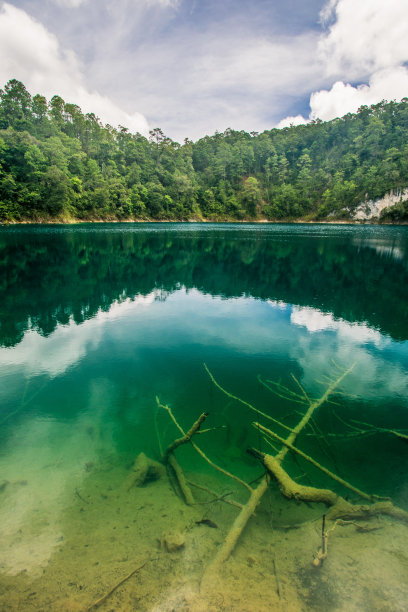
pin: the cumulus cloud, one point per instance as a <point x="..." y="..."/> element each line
<point x="33" y="55"/>
<point x="366" y="36"/>
<point x="342" y="98"/>
<point x="191" y="75"/>
<point x="193" y="71"/>
<point x="365" y="42"/>
<point x="327" y="12"/>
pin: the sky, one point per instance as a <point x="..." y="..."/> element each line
<point x="193" y="67"/>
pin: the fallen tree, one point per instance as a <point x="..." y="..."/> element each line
<point x="339" y="509"/>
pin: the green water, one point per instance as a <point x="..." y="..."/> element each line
<point x="96" y="321"/>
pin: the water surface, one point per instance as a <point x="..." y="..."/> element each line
<point x="98" y="321"/>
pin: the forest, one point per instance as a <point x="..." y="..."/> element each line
<point x="59" y="164"/>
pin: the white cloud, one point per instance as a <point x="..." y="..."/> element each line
<point x="212" y="80"/>
<point x="367" y="41"/>
<point x="32" y="54"/>
<point x="194" y="78"/>
<point x="257" y="63"/>
<point x="189" y="78"/>
<point x="289" y="121"/>
<point x="326" y="13"/>
<point x="366" y="36"/>
<point x="342" y="98"/>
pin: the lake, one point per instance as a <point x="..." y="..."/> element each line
<point x="112" y="334"/>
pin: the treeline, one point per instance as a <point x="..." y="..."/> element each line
<point x="59" y="163"/>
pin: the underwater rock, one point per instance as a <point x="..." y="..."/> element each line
<point x="88" y="466"/>
<point x="171" y="542"/>
<point x="3" y="485"/>
<point x="144" y="470"/>
<point x="207" y="522"/>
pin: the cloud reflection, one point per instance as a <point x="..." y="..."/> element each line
<point x="314" y="320"/>
<point x="191" y="321"/>
<point x="68" y="344"/>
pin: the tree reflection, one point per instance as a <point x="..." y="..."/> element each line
<point x="48" y="278"/>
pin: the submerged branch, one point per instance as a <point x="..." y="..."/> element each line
<point x="234" y="533"/>
<point x="187" y="439"/>
<point x="102" y="600"/>
<point x="247" y="404"/>
<point x="257" y="494"/>
<point x="309" y="413"/>
<point x="315" y="463"/>
<point x="340" y="508"/>
<point x="376" y="429"/>
<point x="305" y="395"/>
<point x="217" y="497"/>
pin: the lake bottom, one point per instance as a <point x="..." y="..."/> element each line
<point x="81" y="541"/>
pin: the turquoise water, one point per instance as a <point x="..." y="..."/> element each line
<point x="98" y="320"/>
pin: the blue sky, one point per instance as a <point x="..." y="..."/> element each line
<point x="193" y="67"/>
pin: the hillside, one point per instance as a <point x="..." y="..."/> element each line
<point x="57" y="163"/>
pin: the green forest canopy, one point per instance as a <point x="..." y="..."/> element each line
<point x="58" y="163"/>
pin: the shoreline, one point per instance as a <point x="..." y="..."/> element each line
<point x="74" y="221"/>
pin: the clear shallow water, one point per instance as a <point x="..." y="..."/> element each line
<point x="96" y="321"/>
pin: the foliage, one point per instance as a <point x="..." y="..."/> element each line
<point x="399" y="212"/>
<point x="58" y="163"/>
